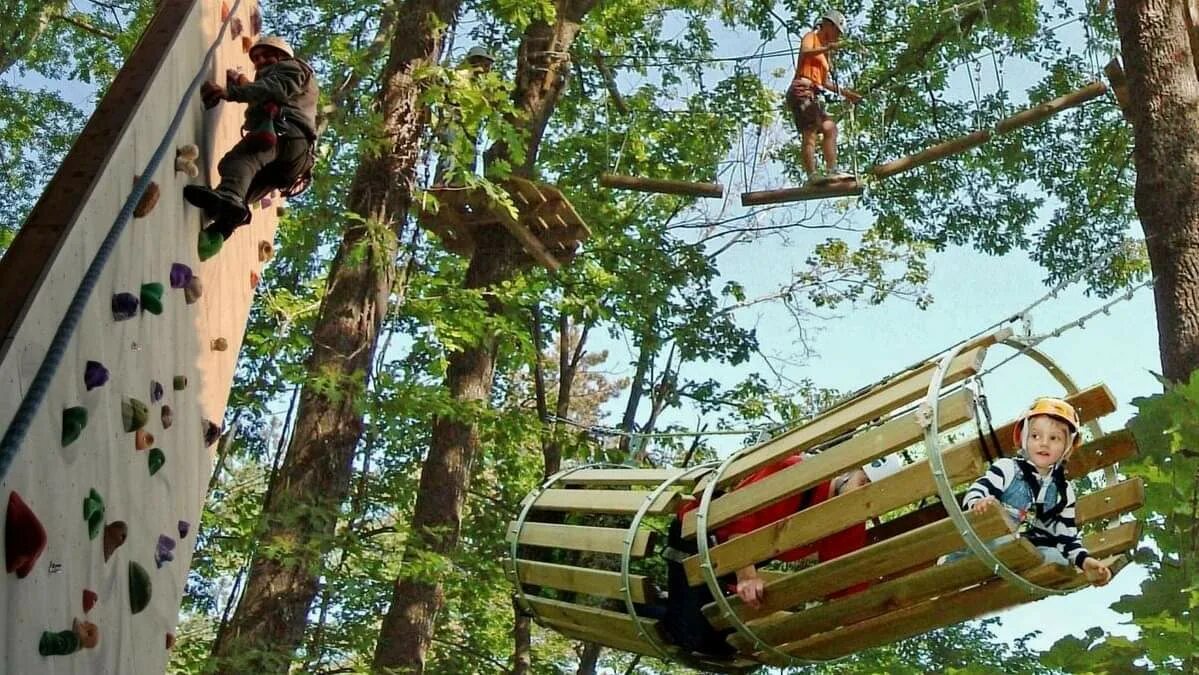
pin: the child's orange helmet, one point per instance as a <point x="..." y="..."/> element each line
<point x="1054" y="407"/>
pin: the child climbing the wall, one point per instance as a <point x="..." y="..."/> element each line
<point x="813" y="76"/>
<point x="277" y="148"/>
<point x="1033" y="490"/>
<point x="683" y="619"/>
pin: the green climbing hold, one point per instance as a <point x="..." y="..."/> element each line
<point x="209" y="244"/>
<point x="73" y="421"/>
<point x="59" y="643"/>
<point x="93" y="513"/>
<point x="156" y="459"/>
<point x="139" y="587"/>
<point x="134" y="414"/>
<point x="179" y="383"/>
<point x="151" y="297"/>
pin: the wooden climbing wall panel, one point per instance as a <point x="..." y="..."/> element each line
<point x="101" y="472"/>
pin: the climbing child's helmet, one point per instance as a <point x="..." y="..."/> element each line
<point x="1053" y="407"/>
<point x="274" y="42"/>
<point x="836" y="18"/>
<point x="882" y="467"/>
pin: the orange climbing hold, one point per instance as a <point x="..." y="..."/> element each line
<point x="24" y="537"/>
<point x="219" y="344"/>
<point x="224" y="11"/>
<point x="143" y="440"/>
<point x="246" y="43"/>
<point x="148" y="201"/>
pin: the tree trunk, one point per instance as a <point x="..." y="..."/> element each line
<point x="407" y="628"/>
<point x="522" y="637"/>
<point x="589" y="659"/>
<point x="24" y="24"/>
<point x="1164" y="91"/>
<point x="301" y="515"/>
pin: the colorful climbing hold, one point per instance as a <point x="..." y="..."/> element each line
<point x="168" y="417"/>
<point x="93" y="513"/>
<point x="74" y="419"/>
<point x="255" y="21"/>
<point x="89" y="600"/>
<point x="140" y="588"/>
<point x="156" y="459"/>
<point x="193" y="290"/>
<point x="246" y="43"/>
<point x="142" y="439"/>
<point x="266" y="202"/>
<point x="114" y="537"/>
<point x="24" y="537"/>
<point x="254" y="279"/>
<point x="164" y="552"/>
<point x="151" y="297"/>
<point x="219" y="344"/>
<point x="209" y="244"/>
<point x="266" y="251"/>
<point x="179" y="383"/>
<point x="170" y="641"/>
<point x="94" y="375"/>
<point x="184" y="528"/>
<point x="124" y="306"/>
<point x="134" y="414"/>
<point x="212" y="432"/>
<point x="185" y="159"/>
<point x="148" y="201"/>
<point x="83" y="635"/>
<point x="156" y="391"/>
<point x="224" y="11"/>
<point x="180" y="275"/>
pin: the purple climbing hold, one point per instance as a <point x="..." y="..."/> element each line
<point x="165" y="551"/>
<point x="212" y="432"/>
<point x="180" y="275"/>
<point x="94" y="375"/>
<point x="184" y="528"/>
<point x="156" y="391"/>
<point x="124" y="306"/>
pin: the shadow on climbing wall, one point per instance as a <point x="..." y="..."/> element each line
<point x="104" y="492"/>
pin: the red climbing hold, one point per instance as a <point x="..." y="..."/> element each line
<point x="148" y="201"/>
<point x="114" y="537"/>
<point x="24" y="537"/>
<point x="254" y="279"/>
<point x="224" y="11"/>
<point x="142" y="439"/>
<point x="89" y="600"/>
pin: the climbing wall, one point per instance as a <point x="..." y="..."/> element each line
<point x="102" y="502"/>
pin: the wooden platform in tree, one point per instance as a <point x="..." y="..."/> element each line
<point x="546" y="224"/>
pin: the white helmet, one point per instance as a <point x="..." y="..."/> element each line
<point x="274" y="42"/>
<point x="882" y="467"/>
<point x="479" y="53"/>
<point x="836" y="18"/>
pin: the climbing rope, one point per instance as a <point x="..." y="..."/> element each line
<point x="32" y="401"/>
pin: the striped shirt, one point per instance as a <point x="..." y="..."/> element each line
<point x="1051" y="525"/>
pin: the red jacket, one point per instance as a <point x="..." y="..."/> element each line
<point x="833" y="546"/>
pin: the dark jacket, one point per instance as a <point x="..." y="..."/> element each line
<point x="291" y="84"/>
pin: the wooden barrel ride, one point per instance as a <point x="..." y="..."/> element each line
<point x="584" y="549"/>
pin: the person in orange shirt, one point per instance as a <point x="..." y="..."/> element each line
<point x="813" y="76"/>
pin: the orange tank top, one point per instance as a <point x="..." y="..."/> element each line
<point x="814" y="67"/>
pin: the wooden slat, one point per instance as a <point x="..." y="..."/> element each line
<point x="1102" y="504"/>
<point x="594" y="618"/>
<point x="850" y="187"/>
<point x="1091" y="403"/>
<point x="611" y="502"/>
<point x="892" y="595"/>
<point x="913" y="482"/>
<point x="874" y="403"/>
<point x="583" y="538"/>
<point x="662" y="185"/>
<point x="856" y="451"/>
<point x="924" y="544"/>
<point x="1119" y="539"/>
<point x="532" y="245"/>
<point x="1102" y="452"/>
<point x="943" y="611"/>
<point x="633" y="477"/>
<point x="592" y="634"/>
<point x="600" y="583"/>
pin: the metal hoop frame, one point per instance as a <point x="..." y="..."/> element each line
<point x="937" y="462"/>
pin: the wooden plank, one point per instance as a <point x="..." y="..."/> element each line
<point x="583" y="538"/>
<point x="924" y="544"/>
<point x="619" y="642"/>
<point x="872" y="404"/>
<point x="1102" y="452"/>
<point x="909" y="484"/>
<point x="594" y="618"/>
<point x="850" y="187"/>
<point x="931" y="154"/>
<point x="633" y="477"/>
<point x="612" y="502"/>
<point x="1042" y="111"/>
<point x="1091" y="403"/>
<point x="891" y="595"/>
<point x="1111" y="501"/>
<point x="530" y="243"/>
<point x="943" y="611"/>
<point x="858" y="450"/>
<point x="600" y="583"/>
<point x="662" y="185"/>
<point x="1120" y="539"/>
